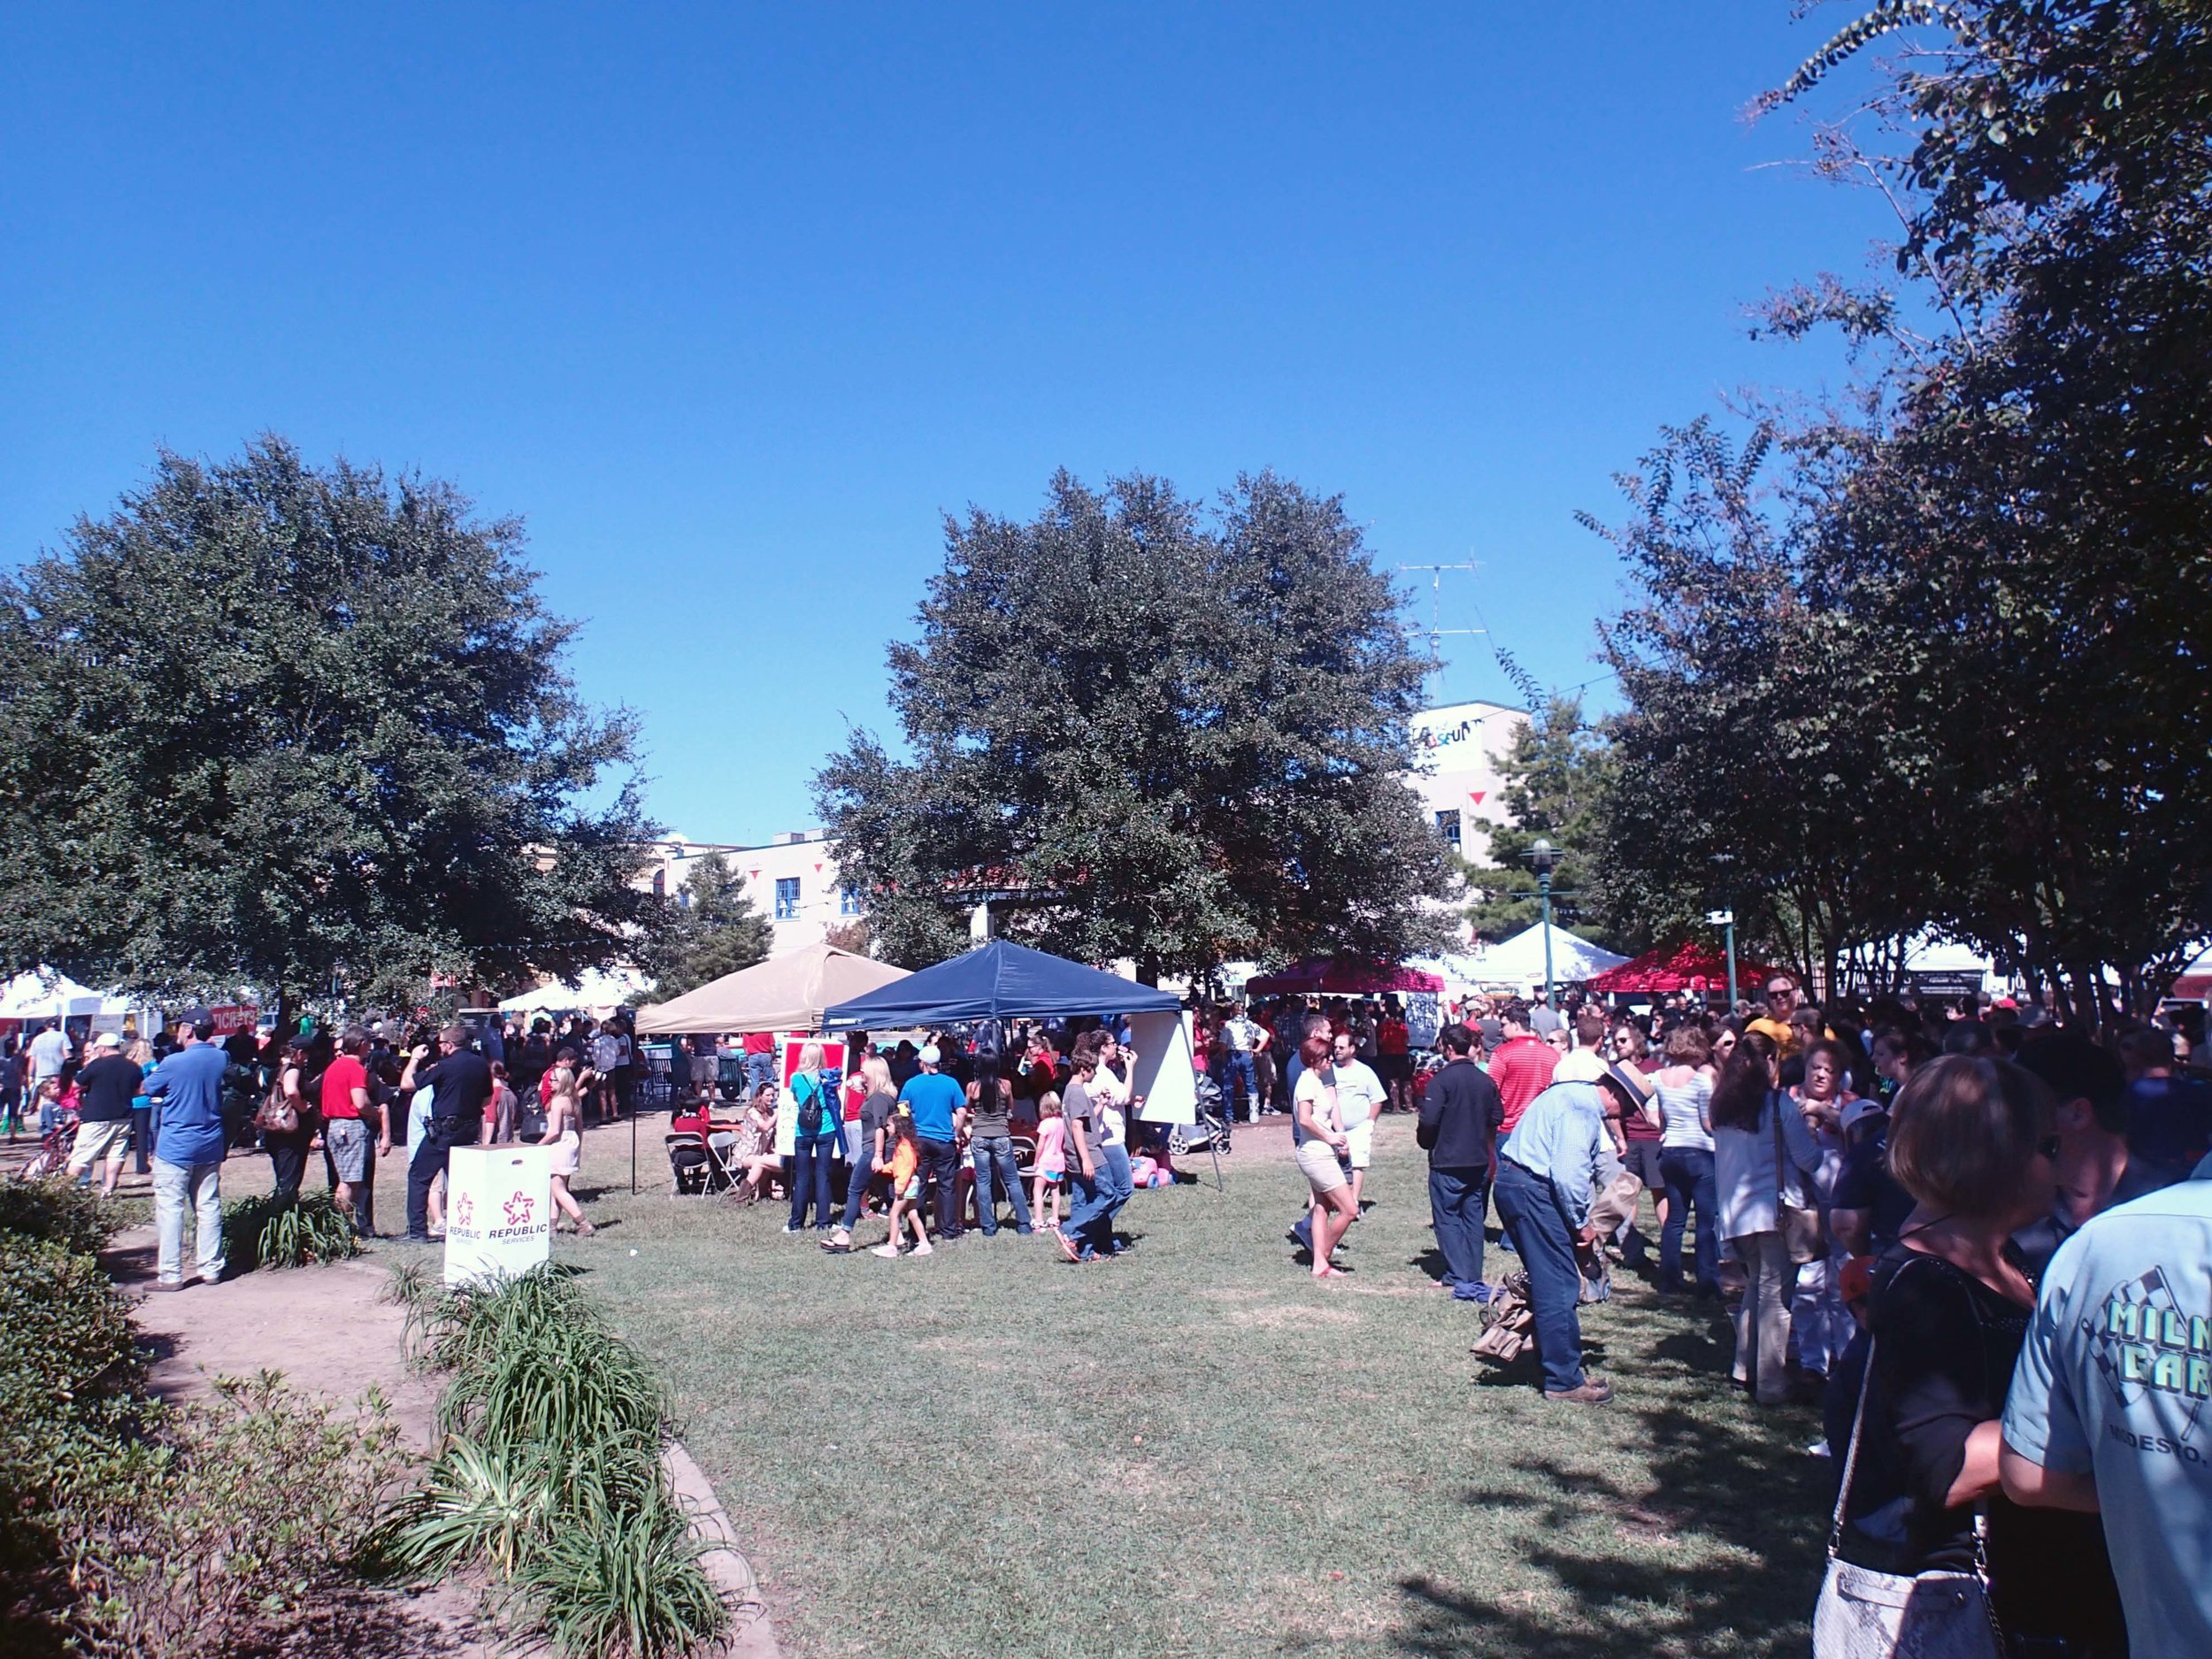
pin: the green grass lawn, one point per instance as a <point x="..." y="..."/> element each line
<point x="1200" y="1450"/>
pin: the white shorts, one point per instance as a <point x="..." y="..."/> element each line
<point x="1362" y="1135"/>
<point x="1316" y="1161"/>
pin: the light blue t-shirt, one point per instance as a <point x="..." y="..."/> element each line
<point x="932" y="1098"/>
<point x="2116" y="1381"/>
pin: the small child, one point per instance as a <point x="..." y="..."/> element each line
<point x="906" y="1186"/>
<point x="1052" y="1160"/>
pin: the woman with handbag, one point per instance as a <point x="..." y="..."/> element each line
<point x="286" y="1122"/>
<point x="1762" y="1153"/>
<point x="1926" y="1555"/>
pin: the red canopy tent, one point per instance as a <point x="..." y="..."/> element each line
<point x="1685" y="967"/>
<point x="1339" y="977"/>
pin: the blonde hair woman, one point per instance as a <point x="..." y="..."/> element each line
<point x="871" y="1148"/>
<point x="819" y="1136"/>
<point x="563" y="1127"/>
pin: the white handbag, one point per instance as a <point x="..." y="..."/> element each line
<point x="1866" y="1614"/>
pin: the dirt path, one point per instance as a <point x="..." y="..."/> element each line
<point x="325" y="1329"/>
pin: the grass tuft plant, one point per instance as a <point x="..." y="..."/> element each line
<point x="550" y="1476"/>
<point x="283" y="1230"/>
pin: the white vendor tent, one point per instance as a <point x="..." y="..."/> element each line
<point x="595" y="993"/>
<point x="1520" y="960"/>
<point x="38" y="995"/>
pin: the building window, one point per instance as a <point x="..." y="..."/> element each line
<point x="1448" y="826"/>
<point x="787" y="898"/>
<point x="848" y="901"/>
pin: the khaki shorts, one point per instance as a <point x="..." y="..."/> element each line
<point x="1316" y="1161"/>
<point x="1362" y="1135"/>
<point x="95" y="1141"/>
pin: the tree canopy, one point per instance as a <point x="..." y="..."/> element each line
<point x="286" y="725"/>
<point x="712" y="928"/>
<point x="1556" y="775"/>
<point x="1153" y="732"/>
<point x="1963" y="627"/>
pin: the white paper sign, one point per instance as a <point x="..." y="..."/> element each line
<point x="1162" y="1073"/>
<point x="498" y="1212"/>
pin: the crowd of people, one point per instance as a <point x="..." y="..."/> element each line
<point x="1981" y="1242"/>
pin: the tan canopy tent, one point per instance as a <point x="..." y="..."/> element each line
<point x="782" y="993"/>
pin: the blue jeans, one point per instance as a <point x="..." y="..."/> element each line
<point x="1529" y="1206"/>
<point x="1458" y="1199"/>
<point x="994" y="1156"/>
<point x="811" y="1156"/>
<point x="198" y="1187"/>
<point x="1242" y="1069"/>
<point x="760" y="1070"/>
<point x="1090" y="1207"/>
<point x="1689" y="1172"/>
<point x="1114" y="1174"/>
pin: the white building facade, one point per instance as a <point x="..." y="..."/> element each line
<point x="791" y="880"/>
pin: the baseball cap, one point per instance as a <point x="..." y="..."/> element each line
<point x="929" y="1055"/>
<point x="1859" y="1108"/>
<point x="107" y="1040"/>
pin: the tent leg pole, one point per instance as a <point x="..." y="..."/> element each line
<point x="633" y="1150"/>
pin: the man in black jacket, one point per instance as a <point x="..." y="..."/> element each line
<point x="1461" y="1114"/>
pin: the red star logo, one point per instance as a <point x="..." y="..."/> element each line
<point x="464" y="1208"/>
<point x="518" y="1210"/>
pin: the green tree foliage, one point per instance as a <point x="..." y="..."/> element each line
<point x="1170" y="735"/>
<point x="1757" y="770"/>
<point x="1555" y="776"/>
<point x="1966" y="628"/>
<point x="286" y="724"/>
<point x="716" y="931"/>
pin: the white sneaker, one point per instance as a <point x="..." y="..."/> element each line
<point x="924" y="1249"/>
<point x="891" y="1250"/>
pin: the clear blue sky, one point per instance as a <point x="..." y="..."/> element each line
<point x="733" y="302"/>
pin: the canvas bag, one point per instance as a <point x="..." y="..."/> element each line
<point x="1864" y="1613"/>
<point x="1509" y="1327"/>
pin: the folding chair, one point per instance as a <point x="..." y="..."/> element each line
<point x="721" y="1152"/>
<point x="688" y="1160"/>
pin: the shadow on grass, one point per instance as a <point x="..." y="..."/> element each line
<point x="1749" y="1496"/>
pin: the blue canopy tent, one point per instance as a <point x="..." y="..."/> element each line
<point x="997" y="981"/>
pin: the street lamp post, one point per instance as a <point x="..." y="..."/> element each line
<point x="1545" y="858"/>
<point x="1726" y="921"/>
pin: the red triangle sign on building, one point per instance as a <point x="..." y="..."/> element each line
<point x="817" y="870"/>
<point x="1472" y="794"/>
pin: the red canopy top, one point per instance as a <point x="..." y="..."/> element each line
<point x="1341" y="977"/>
<point x="1685" y="967"/>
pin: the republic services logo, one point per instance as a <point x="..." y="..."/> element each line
<point x="518" y="1208"/>
<point x="464" y="1210"/>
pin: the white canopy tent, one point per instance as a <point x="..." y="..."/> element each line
<point x="1519" y="961"/>
<point x="40" y="995"/>
<point x="593" y="993"/>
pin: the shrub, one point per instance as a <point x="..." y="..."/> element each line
<point x="60" y="1212"/>
<point x="620" y="1582"/>
<point x="238" y="1512"/>
<point x="70" y="1369"/>
<point x="286" y="1230"/>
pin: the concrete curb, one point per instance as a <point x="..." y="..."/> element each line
<point x="752" y="1635"/>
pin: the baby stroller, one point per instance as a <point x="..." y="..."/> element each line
<point x="52" y="1156"/>
<point x="1209" y="1134"/>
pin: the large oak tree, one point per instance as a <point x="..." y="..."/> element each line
<point x="282" y="727"/>
<point x="1154" y="732"/>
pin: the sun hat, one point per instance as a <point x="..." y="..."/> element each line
<point x="1638" y="1088"/>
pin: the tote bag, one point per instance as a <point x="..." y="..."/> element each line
<point x="1866" y="1614"/>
